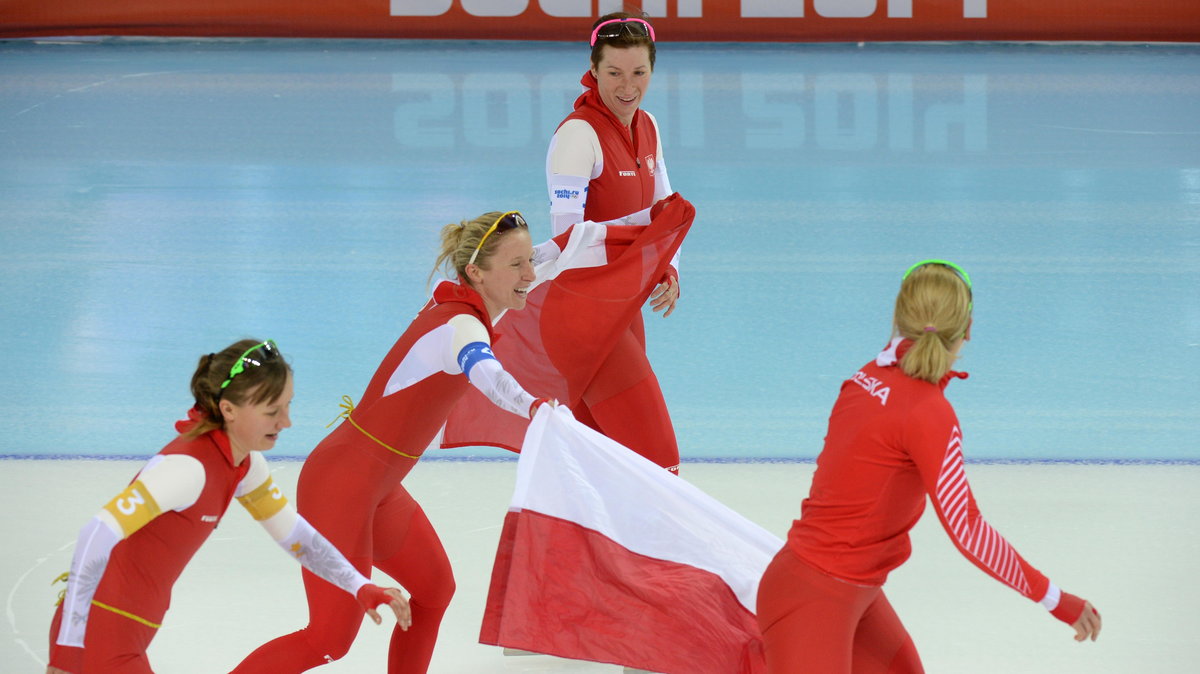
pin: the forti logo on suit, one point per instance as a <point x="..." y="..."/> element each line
<point x="831" y="9"/>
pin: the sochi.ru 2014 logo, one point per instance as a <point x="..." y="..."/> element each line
<point x="840" y="9"/>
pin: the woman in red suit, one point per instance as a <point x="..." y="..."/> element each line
<point x="893" y="440"/>
<point x="129" y="555"/>
<point x="605" y="162"/>
<point x="352" y="483"/>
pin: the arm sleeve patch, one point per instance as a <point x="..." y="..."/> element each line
<point x="133" y="508"/>
<point x="264" y="501"/>
<point x="471" y="354"/>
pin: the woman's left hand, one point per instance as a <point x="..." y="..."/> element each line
<point x="665" y="296"/>
<point x="1088" y="625"/>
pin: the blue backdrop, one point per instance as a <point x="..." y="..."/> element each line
<point x="160" y="199"/>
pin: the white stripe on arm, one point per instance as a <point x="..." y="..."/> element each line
<point x="974" y="537"/>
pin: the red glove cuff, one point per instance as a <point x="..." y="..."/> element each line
<point x="1069" y="608"/>
<point x="670" y="274"/>
<point x="533" y="406"/>
<point x="372" y="596"/>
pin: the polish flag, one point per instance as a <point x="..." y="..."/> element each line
<point x="605" y="556"/>
<point x="580" y="304"/>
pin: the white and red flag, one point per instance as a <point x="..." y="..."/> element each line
<point x="605" y="556"/>
<point x="584" y="299"/>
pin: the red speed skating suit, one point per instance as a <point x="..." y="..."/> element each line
<point x="129" y="555"/>
<point x="610" y="385"/>
<point x="351" y="487"/>
<point x="135" y="590"/>
<point x="623" y="400"/>
<point x="892" y="441"/>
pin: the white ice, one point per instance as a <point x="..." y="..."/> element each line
<point x="1123" y="536"/>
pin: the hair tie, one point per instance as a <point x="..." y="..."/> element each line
<point x="930" y="328"/>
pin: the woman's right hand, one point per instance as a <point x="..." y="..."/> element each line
<point x="533" y="407"/>
<point x="371" y="597"/>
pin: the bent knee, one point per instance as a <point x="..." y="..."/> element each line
<point x="436" y="595"/>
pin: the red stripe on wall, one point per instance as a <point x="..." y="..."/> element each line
<point x="697" y="20"/>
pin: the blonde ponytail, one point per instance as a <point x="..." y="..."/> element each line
<point x="933" y="309"/>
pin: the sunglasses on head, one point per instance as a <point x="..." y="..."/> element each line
<point x="506" y="221"/>
<point x="962" y="274"/>
<point x="255" y="356"/>
<point x="616" y="27"/>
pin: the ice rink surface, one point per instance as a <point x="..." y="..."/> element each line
<point x="1123" y="536"/>
<point x="160" y="199"/>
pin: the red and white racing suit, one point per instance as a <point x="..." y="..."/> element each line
<point x="128" y="557"/>
<point x="598" y="170"/>
<point x="351" y="485"/>
<point x="893" y="440"/>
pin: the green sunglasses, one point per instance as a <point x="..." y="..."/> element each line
<point x="962" y="273"/>
<point x="957" y="269"/>
<point x="267" y="352"/>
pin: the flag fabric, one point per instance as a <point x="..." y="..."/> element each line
<point x="581" y="303"/>
<point x="605" y="556"/>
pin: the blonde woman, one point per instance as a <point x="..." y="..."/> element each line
<point x="351" y="486"/>
<point x="893" y="440"/>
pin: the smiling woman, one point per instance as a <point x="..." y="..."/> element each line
<point x="605" y="162"/>
<point x="351" y="484"/>
<point x="504" y="273"/>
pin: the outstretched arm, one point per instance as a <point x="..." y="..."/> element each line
<point x="473" y="356"/>
<point x="946" y="482"/>
<point x="266" y="503"/>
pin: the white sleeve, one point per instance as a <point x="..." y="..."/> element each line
<point x="318" y="555"/>
<point x="572" y="161"/>
<point x="662" y="184"/>
<point x="266" y="503"/>
<point x="92" y="549"/>
<point x="493" y="381"/>
<point x="167" y="482"/>
<point x="471" y="350"/>
<point x="545" y="252"/>
<point x="174" y="480"/>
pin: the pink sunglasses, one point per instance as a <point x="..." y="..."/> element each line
<point x="635" y="27"/>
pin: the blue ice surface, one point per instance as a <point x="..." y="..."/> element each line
<point x="160" y="199"/>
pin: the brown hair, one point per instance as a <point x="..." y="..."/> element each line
<point x="253" y="385"/>
<point x="622" y="41"/>
<point x="459" y="242"/>
<point x="933" y="309"/>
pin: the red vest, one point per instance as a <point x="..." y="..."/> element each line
<point x="626" y="185"/>
<point x="143" y="568"/>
